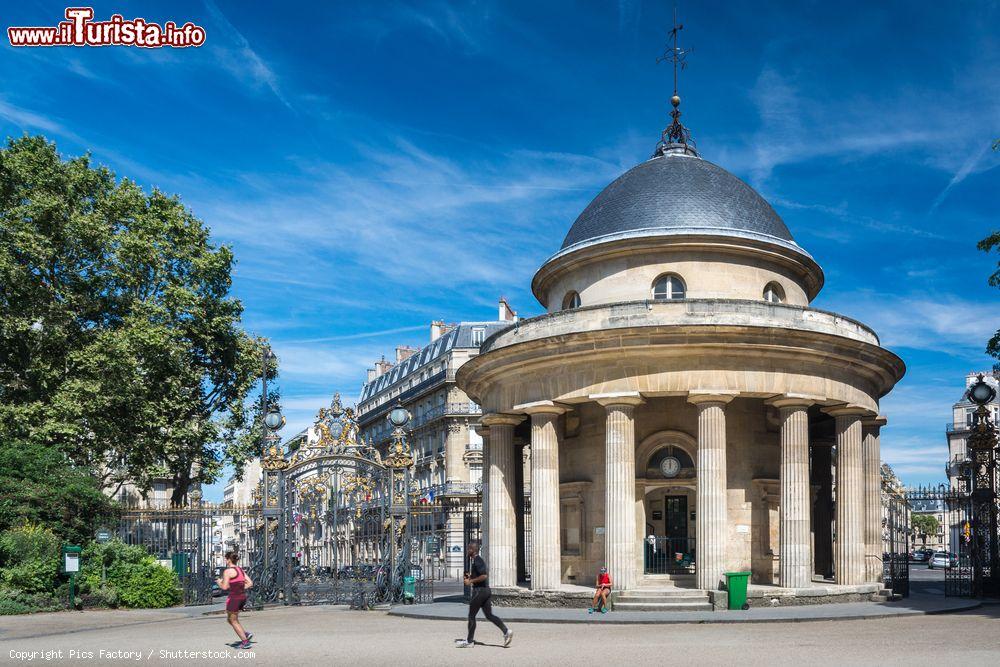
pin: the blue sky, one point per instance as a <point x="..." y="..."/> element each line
<point x="377" y="165"/>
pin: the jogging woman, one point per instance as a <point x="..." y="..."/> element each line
<point x="236" y="581"/>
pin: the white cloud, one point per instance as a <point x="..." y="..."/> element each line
<point x="244" y="61"/>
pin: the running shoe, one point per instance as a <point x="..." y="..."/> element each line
<point x="249" y="636"/>
<point x="461" y="643"/>
<point x="508" y="638"/>
<point x="590" y="610"/>
<point x="245" y="644"/>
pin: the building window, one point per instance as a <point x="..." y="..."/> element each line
<point x="669" y="286"/>
<point x="571" y="301"/>
<point x="773" y="293"/>
<point x="478" y="335"/>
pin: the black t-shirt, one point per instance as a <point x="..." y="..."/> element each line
<point x="479" y="569"/>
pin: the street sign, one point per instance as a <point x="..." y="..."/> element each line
<point x="103" y="535"/>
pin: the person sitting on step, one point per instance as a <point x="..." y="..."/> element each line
<point x="601" y="592"/>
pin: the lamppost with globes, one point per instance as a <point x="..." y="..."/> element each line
<point x="399" y="460"/>
<point x="982" y="445"/>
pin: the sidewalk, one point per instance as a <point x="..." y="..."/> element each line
<point x="916" y="605"/>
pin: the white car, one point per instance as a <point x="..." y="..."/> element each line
<point x="941" y="559"/>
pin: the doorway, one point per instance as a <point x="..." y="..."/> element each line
<point x="672" y="550"/>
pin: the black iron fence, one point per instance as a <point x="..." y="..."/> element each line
<point x="666" y="555"/>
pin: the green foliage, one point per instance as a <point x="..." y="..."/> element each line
<point x="39" y="485"/>
<point x="147" y="585"/>
<point x="988" y="244"/>
<point x="29" y="559"/>
<point x="134" y="578"/>
<point x="120" y="344"/>
<point x="925" y="525"/>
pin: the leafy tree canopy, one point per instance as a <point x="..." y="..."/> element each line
<point x="120" y="344"/>
<point x="39" y="486"/>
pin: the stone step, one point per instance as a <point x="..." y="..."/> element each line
<point x="663" y="606"/>
<point x="665" y="592"/>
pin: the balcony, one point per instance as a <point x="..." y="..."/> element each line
<point x="957" y="427"/>
<point x="445" y="410"/>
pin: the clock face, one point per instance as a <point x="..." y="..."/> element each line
<point x="670" y="466"/>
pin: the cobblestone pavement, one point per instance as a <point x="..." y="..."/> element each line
<point x="334" y="635"/>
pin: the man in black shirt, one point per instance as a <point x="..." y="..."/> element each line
<point x="478" y="578"/>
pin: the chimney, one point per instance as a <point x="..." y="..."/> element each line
<point x="507" y="314"/>
<point x="437" y="330"/>
<point x="372" y="374"/>
<point x="382" y="367"/>
<point x="404" y="352"/>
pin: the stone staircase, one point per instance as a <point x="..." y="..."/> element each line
<point x="663" y="592"/>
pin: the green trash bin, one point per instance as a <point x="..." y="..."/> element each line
<point x="409" y="589"/>
<point x="736" y="584"/>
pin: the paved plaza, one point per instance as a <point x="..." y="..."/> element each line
<point x="335" y="635"/>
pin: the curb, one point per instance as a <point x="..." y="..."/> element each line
<point x="700" y="621"/>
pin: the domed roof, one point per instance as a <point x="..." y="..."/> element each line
<point x="673" y="193"/>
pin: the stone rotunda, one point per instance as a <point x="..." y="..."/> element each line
<point x="682" y="405"/>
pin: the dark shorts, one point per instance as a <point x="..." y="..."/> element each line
<point x="236" y="603"/>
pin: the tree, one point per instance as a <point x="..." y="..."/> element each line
<point x="988" y="244"/>
<point x="924" y="525"/>
<point x="120" y="344"/>
<point x="39" y="486"/>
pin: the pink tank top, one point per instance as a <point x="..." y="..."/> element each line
<point x="237" y="583"/>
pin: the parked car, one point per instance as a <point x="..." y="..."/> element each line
<point x="921" y="555"/>
<point x="942" y="559"/>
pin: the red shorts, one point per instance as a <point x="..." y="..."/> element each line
<point x="236" y="603"/>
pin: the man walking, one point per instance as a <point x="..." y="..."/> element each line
<point x="478" y="578"/>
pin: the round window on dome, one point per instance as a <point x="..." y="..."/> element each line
<point x="773" y="293"/>
<point x="669" y="286"/>
<point x="571" y="300"/>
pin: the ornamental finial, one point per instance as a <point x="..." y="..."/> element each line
<point x="676" y="138"/>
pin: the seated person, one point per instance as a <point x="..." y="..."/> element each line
<point x="603" y="589"/>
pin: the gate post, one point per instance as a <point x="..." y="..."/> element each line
<point x="399" y="461"/>
<point x="982" y="445"/>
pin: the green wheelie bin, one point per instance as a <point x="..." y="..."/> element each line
<point x="736" y="584"/>
<point x="409" y="589"/>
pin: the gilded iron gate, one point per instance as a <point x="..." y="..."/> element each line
<point x="334" y="521"/>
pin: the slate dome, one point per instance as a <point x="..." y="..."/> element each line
<point x="677" y="193"/>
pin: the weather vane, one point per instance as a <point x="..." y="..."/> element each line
<point x="676" y="133"/>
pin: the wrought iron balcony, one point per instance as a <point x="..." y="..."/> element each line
<point x="957" y="427"/>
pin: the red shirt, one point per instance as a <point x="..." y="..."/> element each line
<point x="604" y="579"/>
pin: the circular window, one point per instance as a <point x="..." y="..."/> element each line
<point x="669" y="286"/>
<point x="571" y="300"/>
<point x="773" y="293"/>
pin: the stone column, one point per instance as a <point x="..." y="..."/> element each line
<point x="484" y="508"/>
<point x="872" y="465"/>
<point x="501" y="557"/>
<point x="849" y="546"/>
<point x="546" y="564"/>
<point x="711" y="527"/>
<point x="794" y="536"/>
<point x="619" y="486"/>
<point x="454" y="448"/>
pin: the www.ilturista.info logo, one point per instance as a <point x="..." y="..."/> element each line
<point x="79" y="29"/>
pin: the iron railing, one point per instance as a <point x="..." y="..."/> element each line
<point x="663" y="555"/>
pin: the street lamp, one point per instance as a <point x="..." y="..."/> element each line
<point x="274" y="420"/>
<point x="982" y="444"/>
<point x="399" y="416"/>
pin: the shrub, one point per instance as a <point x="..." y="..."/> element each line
<point x="133" y="577"/>
<point x="16" y="601"/>
<point x="29" y="559"/>
<point x="149" y="585"/>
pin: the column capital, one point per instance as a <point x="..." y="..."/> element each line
<point x="482" y="430"/>
<point x="632" y="398"/>
<point x="701" y="396"/>
<point x="847" y="410"/>
<point x="541" y="407"/>
<point x="501" y="419"/>
<point x="793" y="400"/>
<point x="875" y="422"/>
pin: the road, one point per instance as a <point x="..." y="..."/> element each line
<point x="334" y="635"/>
